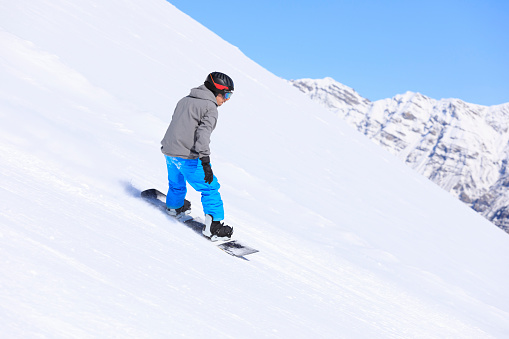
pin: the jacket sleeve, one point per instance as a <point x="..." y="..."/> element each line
<point x="205" y="127"/>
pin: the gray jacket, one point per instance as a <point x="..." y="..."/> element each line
<point x="194" y="119"/>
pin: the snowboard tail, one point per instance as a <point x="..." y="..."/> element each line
<point x="153" y="194"/>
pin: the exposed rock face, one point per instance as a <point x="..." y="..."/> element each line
<point x="461" y="147"/>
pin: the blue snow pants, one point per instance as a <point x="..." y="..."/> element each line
<point x="191" y="170"/>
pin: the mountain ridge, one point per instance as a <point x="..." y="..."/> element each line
<point x="460" y="146"/>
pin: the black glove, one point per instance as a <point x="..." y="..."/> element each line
<point x="209" y="176"/>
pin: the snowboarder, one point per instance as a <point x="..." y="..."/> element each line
<point x="186" y="149"/>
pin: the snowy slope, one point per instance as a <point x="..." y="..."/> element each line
<point x="461" y="147"/>
<point x="352" y="243"/>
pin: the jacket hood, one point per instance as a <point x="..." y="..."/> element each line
<point x="202" y="92"/>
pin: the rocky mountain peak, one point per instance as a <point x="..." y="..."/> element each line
<point x="462" y="147"/>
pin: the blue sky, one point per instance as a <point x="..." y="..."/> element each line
<point x="442" y="49"/>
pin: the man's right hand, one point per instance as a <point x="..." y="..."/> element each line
<point x="209" y="175"/>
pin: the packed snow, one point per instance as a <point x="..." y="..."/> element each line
<point x="353" y="244"/>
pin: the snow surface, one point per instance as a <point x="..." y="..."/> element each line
<point x="353" y="244"/>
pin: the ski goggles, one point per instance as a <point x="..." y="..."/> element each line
<point x="227" y="95"/>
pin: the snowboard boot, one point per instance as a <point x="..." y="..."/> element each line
<point x="215" y="230"/>
<point x="181" y="213"/>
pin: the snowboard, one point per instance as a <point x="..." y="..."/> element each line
<point x="232" y="247"/>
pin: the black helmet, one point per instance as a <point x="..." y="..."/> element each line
<point x="219" y="82"/>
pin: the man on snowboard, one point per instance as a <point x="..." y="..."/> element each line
<point x="186" y="149"/>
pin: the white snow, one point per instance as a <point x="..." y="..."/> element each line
<point x="353" y="244"/>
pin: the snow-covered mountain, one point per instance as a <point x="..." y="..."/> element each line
<point x="462" y="147"/>
<point x="353" y="244"/>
